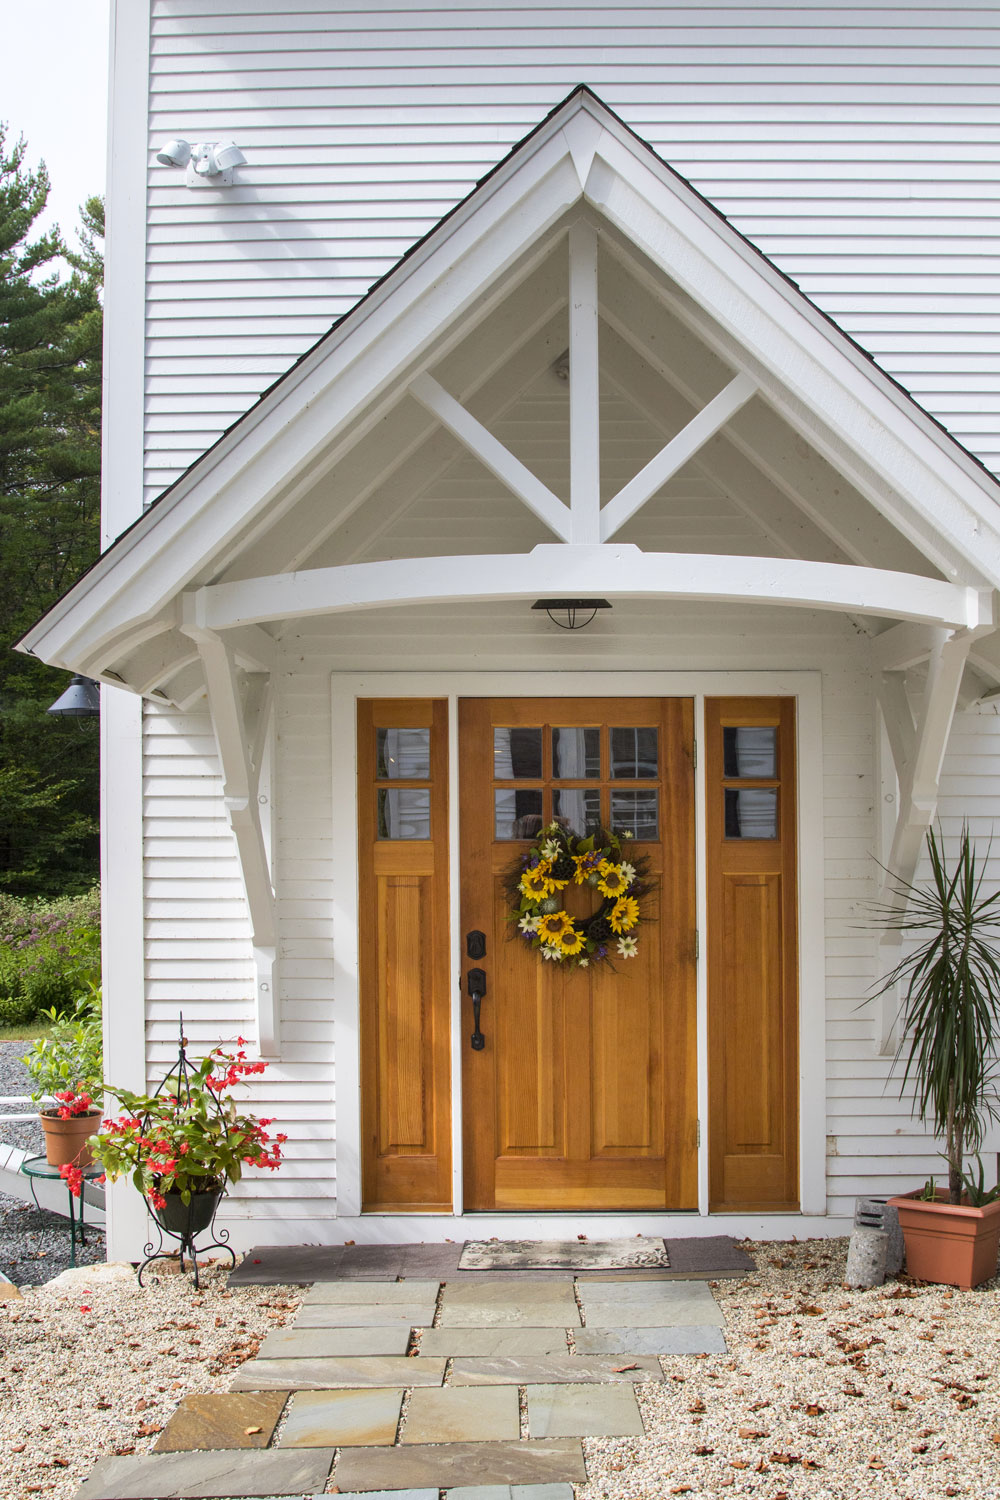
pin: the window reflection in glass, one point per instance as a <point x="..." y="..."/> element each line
<point x="404" y="812"/>
<point x="578" y="809"/>
<point x="517" y="812"/>
<point x="634" y="753"/>
<point x="636" y="813"/>
<point x="517" y="753"/>
<point x="749" y="751"/>
<point x="402" y="754"/>
<point x="751" y="813"/>
<point x="576" y="754"/>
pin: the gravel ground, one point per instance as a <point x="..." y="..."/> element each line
<point x="34" y="1244"/>
<point x="825" y="1393"/>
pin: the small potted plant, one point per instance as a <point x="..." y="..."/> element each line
<point x="67" y="1067"/>
<point x="950" y="1015"/>
<point x="183" y="1144"/>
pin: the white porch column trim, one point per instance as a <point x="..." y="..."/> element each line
<point x="490" y="451"/>
<point x="241" y="729"/>
<point x="675" y="455"/>
<point x="584" y="386"/>
<point x="616" y="569"/>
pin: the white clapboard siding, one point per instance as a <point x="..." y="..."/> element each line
<point x="856" y="146"/>
<point x="198" y="962"/>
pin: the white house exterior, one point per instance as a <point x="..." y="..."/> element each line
<point x="593" y="374"/>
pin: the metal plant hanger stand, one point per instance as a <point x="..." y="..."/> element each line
<point x="179" y="1221"/>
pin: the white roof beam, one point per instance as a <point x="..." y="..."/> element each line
<point x="481" y="443"/>
<point x="904" y="646"/>
<point x="584" y="386"/>
<point x="612" y="569"/>
<point x="662" y="468"/>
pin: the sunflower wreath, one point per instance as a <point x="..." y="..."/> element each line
<point x="535" y="883"/>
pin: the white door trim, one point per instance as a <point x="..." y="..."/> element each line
<point x="804" y="686"/>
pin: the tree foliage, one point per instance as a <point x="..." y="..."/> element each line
<point x="50" y="425"/>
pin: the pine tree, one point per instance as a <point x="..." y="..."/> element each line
<point x="50" y="395"/>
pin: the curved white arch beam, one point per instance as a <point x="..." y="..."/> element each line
<point x="615" y="571"/>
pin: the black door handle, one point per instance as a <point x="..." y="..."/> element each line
<point x="476" y="982"/>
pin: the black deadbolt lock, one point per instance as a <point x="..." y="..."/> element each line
<point x="475" y="944"/>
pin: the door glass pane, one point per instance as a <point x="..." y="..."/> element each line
<point x="404" y="812"/>
<point x="517" y="753"/>
<point x="636" y="813"/>
<point x="750" y="751"/>
<point x="578" y="809"/>
<point x="402" y="754"/>
<point x="751" y="813"/>
<point x="576" y="754"/>
<point x="634" y="753"/>
<point x="517" y="812"/>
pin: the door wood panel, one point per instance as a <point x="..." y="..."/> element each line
<point x="585" y="1094"/>
<point x="404" y="959"/>
<point x="752" y="960"/>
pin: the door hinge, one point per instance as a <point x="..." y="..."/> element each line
<point x="698" y="1130"/>
<point x="694" y="755"/>
<point x="697" y="945"/>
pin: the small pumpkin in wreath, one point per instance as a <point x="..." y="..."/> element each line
<point x="536" y="884"/>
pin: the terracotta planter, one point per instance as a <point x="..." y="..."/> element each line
<point x="66" y="1140"/>
<point x="948" y="1242"/>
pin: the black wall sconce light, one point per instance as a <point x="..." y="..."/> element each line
<point x="571" y="614"/>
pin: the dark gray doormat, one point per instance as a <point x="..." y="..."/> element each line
<point x="714" y="1258"/>
<point x="634" y="1254"/>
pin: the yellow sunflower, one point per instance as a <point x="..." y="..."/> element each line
<point x="572" y="942"/>
<point x="535" y="882"/>
<point x="624" y="914"/>
<point x="553" y="926"/>
<point x="612" y="881"/>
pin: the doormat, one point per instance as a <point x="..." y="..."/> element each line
<point x="564" y="1255"/>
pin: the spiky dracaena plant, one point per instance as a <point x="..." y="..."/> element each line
<point x="950" y="985"/>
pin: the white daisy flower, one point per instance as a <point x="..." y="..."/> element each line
<point x="583" y="963"/>
<point x="556" y="954"/>
<point x="550" y="849"/>
<point x="627" y="947"/>
<point x="528" y="923"/>
<point x="628" y="872"/>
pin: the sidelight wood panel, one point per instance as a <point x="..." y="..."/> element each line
<point x="404" y="954"/>
<point x="752" y="953"/>
<point x="584" y="1097"/>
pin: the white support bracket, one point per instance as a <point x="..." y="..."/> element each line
<point x="240" y="718"/>
<point x="681" y="448"/>
<point x="918" y="751"/>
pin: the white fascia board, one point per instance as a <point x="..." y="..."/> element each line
<point x="786" y="338"/>
<point x="620" y="571"/>
<point x="317" y="400"/>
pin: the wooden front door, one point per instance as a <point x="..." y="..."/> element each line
<point x="584" y="1094"/>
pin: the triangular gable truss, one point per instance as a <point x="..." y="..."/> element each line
<point x="169" y="608"/>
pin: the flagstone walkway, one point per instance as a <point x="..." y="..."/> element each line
<point x="484" y="1389"/>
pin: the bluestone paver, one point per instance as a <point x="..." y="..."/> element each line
<point x="365" y="1315"/>
<point x="334" y="1373"/>
<point x="500" y="1293"/>
<point x="649" y="1305"/>
<point x="695" y="1338"/>
<point x="217" y="1475"/>
<point x="366" y="1292"/>
<point x="462" y="1415"/>
<point x="665" y="1293"/>
<point x="536" y="1304"/>
<point x="510" y="1492"/>
<point x="493" y="1341"/>
<point x="554" y="1368"/>
<point x="318" y="1343"/>
<point x="222" y="1420"/>
<point x="321" y="1419"/>
<point x="449" y="1465"/>
<point x="583" y="1411"/>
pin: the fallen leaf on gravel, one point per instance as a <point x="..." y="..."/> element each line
<point x="103" y="1405"/>
<point x="875" y="1462"/>
<point x="150" y="1429"/>
<point x="703" y="1452"/>
<point x="814" y="1409"/>
<point x="249" y="1431"/>
<point x="898" y="1405"/>
<point x="682" y="1489"/>
<point x="758" y="1405"/>
<point x="738" y="1463"/>
<point x="920" y="1447"/>
<point x="811" y="1463"/>
<point x="698" y="1405"/>
<point x="785" y="1458"/>
<point x="761" y="1468"/>
<point x="752" y="1432"/>
<point x="19" y="1448"/>
<point x="620" y="1369"/>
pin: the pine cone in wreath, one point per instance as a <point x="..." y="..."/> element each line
<point x="564" y="867"/>
<point x="599" y="929"/>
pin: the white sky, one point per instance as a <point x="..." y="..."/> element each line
<point x="53" y="91"/>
